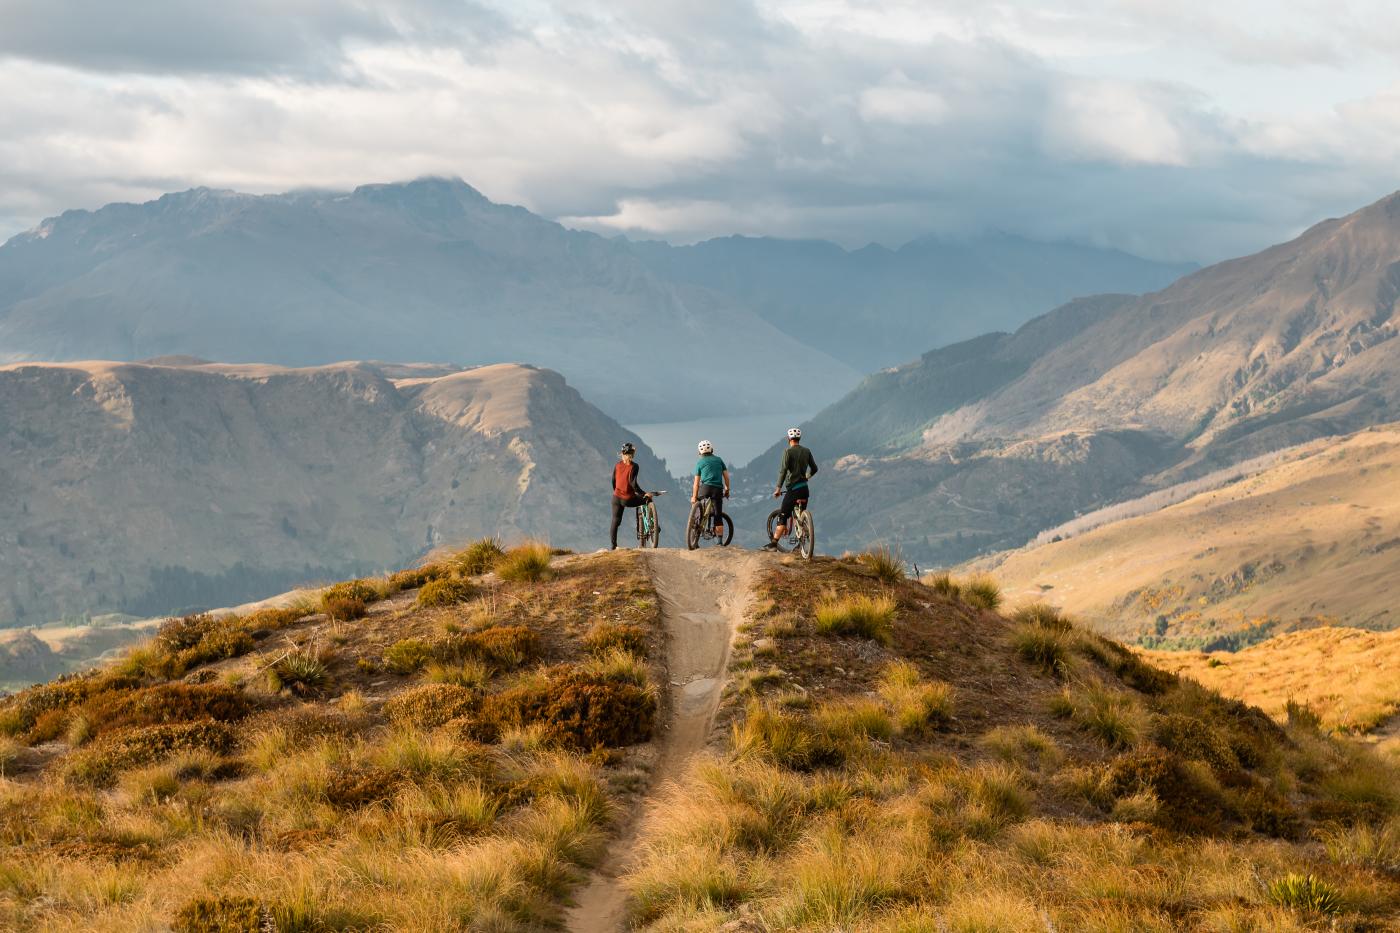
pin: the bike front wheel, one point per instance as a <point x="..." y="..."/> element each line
<point x="807" y="535"/>
<point x="692" y="526"/>
<point x="728" y="531"/>
<point x="648" y="526"/>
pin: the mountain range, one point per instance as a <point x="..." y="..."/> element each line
<point x="148" y="488"/>
<point x="979" y="445"/>
<point x="433" y="270"/>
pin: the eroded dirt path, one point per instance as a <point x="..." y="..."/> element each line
<point x="703" y="598"/>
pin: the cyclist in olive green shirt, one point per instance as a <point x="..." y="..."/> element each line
<point x="711" y="482"/>
<point x="796" y="468"/>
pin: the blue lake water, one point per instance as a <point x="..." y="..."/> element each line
<point x="737" y="439"/>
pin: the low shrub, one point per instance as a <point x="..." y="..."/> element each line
<point x="222" y="914"/>
<point x="416" y="577"/>
<point x="192" y="640"/>
<point x="478" y="557"/>
<point x="358" y="786"/>
<point x="1191" y="800"/>
<point x="1047" y="648"/>
<point x="505" y="646"/>
<point x="884" y="563"/>
<point x="344" y="608"/>
<point x="20" y="713"/>
<point x="605" y="637"/>
<point x="407" y="656"/>
<point x="432" y="705"/>
<point x="445" y="591"/>
<point x="365" y="591"/>
<point x="525" y="563"/>
<point x="861" y="616"/>
<point x="1302" y="716"/>
<point x="1305" y="892"/>
<point x="580" y="710"/>
<point x="100" y="762"/>
<point x="982" y="591"/>
<point x="1194" y="738"/>
<point x="164" y="703"/>
<point x="918" y="707"/>
<point x="301" y="671"/>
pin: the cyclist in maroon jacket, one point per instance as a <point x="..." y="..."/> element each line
<point x="626" y="494"/>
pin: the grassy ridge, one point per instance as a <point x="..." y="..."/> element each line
<point x="954" y="769"/>
<point x="441" y="749"/>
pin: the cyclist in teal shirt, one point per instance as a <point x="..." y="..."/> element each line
<point x="711" y="482"/>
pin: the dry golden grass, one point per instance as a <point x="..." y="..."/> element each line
<point x="1351" y="678"/>
<point x="1309" y="538"/>
<point x="299" y="812"/>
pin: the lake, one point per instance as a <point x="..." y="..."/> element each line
<point x="737" y="439"/>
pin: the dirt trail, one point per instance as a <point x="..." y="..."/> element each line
<point x="703" y="597"/>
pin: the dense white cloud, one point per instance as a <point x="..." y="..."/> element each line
<point x="1187" y="130"/>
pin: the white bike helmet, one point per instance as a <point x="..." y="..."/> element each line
<point x="794" y="434"/>
<point x="705" y="447"/>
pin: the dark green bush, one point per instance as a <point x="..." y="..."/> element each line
<point x="446" y="591"/>
<point x="581" y="711"/>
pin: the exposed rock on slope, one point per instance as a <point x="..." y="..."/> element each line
<point x="149" y="488"/>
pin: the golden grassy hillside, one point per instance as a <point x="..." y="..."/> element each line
<point x="896" y="757"/>
<point x="1350" y="678"/>
<point x="1312" y="540"/>
<point x="435" y="750"/>
<point x="457" y="747"/>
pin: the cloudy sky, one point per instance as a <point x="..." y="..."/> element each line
<point x="1184" y="130"/>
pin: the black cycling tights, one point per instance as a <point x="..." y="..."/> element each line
<point x="620" y="506"/>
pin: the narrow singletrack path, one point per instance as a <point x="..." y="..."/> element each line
<point x="703" y="595"/>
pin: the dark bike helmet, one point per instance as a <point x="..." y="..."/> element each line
<point x="628" y="449"/>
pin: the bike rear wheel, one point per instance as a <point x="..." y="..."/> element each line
<point x="772" y="523"/>
<point x="728" y="532"/>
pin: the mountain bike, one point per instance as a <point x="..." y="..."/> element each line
<point x="648" y="524"/>
<point x="702" y="525"/>
<point x="801" y="534"/>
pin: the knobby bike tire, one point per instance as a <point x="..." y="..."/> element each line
<point x="692" y="527"/>
<point x="772" y="523"/>
<point x="655" y="526"/>
<point x="728" y="531"/>
<point x="807" y="546"/>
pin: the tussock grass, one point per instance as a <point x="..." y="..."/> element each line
<point x="1374" y="847"/>
<point x="884" y="563"/>
<point x="606" y="637"/>
<point x="1025" y="746"/>
<point x="1043" y="615"/>
<point x="617" y="665"/>
<point x="478" y="557"/>
<point x="1047" y="648"/>
<point x="982" y="591"/>
<point x="918" y="707"/>
<point x="525" y="563"/>
<point x="1113" y="717"/>
<point x="859" y="616"/>
<point x="469" y="673"/>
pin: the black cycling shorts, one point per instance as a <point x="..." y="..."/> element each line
<point x="717" y="494"/>
<point x="790" y="499"/>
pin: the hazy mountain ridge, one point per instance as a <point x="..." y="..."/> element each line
<point x="1251" y="355"/>
<point x="432" y="269"/>
<point x="148" y="488"/>
<point x="425" y="270"/>
<point x="870" y="306"/>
